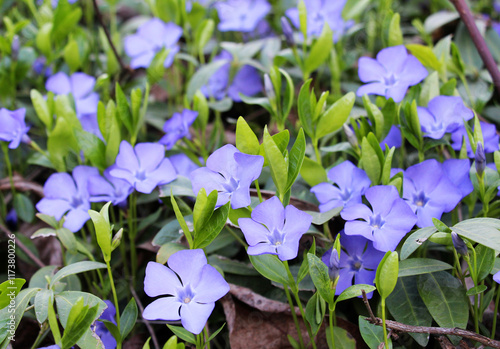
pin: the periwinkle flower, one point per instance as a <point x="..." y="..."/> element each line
<point x="332" y="261"/>
<point x="191" y="287"/>
<point x="54" y="346"/>
<point x="231" y="173"/>
<point x="496" y="277"/>
<point x="151" y="38"/>
<point x="393" y="138"/>
<point x="177" y="127"/>
<point x="143" y="166"/>
<point x="386" y="223"/>
<point x="391" y="74"/>
<point x="320" y="12"/>
<point x="287" y="31"/>
<point x="183" y="164"/>
<point x="457" y="171"/>
<point x="351" y="183"/>
<point x="246" y="81"/>
<point x="358" y="262"/>
<point x="274" y="229"/>
<point x="100" y="329"/>
<point x="459" y="244"/>
<point x="81" y="86"/>
<point x="108" y="188"/>
<point x="490" y="138"/>
<point x="66" y="194"/>
<point x="443" y="114"/>
<point x="429" y="191"/>
<point x="40" y="67"/>
<point x="241" y="15"/>
<point x="13" y="129"/>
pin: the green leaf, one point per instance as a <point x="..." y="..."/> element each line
<point x="277" y="163"/>
<point x="75" y="268"/>
<point x="354" y="291"/>
<point x="417" y="266"/>
<point x="67" y="238"/>
<point x="335" y="116"/>
<point x="10" y="289"/>
<point x="425" y="55"/>
<point x="485" y="262"/>
<point x="270" y="267"/>
<point x="246" y="140"/>
<point x="183" y="334"/>
<point x="312" y="172"/>
<point x="93" y="148"/>
<point x="395" y="34"/>
<point x="323" y="217"/>
<point x="319" y="275"/>
<point x="476" y="290"/>
<point x="123" y="109"/>
<point x="179" y="187"/>
<point x="319" y="50"/>
<point x="79" y="320"/>
<point x="212" y="227"/>
<point x="231" y="266"/>
<point x="467" y="48"/>
<point x="480" y="230"/>
<point x="213" y="335"/>
<point x="387" y="274"/>
<point x="128" y="318"/>
<point x="64" y="23"/>
<point x="445" y="299"/>
<point x="72" y="55"/>
<point x="430" y="89"/>
<point x="305" y="109"/>
<point x="343" y="339"/>
<point x="167" y="250"/>
<point x="370" y="161"/>
<point x="182" y="221"/>
<point x="102" y="230"/>
<point x="373" y="335"/>
<point x="24" y="207"/>
<point x="296" y="158"/>
<point x="203" y="209"/>
<point x="204" y="33"/>
<point x="415" y="240"/>
<point x="42" y="109"/>
<point x="406" y="306"/>
<point x="234" y="215"/>
<point x="42" y="300"/>
<point x="315" y="312"/>
<point x="201" y="77"/>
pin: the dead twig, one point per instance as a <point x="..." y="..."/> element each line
<point x="397" y="326"/>
<point x="22" y="184"/>
<point x="23" y="247"/>
<point x="146" y="322"/>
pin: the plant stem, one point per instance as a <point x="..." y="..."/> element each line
<point x="386" y="341"/>
<point x="115" y="299"/>
<point x="294" y="316"/>
<point x="330" y="320"/>
<point x="132" y="216"/>
<point x="316" y="151"/>
<point x="5" y="150"/>
<point x="257" y="187"/>
<point x="495" y="314"/>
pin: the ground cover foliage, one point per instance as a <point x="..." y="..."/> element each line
<point x="249" y="174"/>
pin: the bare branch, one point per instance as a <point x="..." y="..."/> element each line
<point x="23" y="247"/>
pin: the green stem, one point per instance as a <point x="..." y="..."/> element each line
<point x="115" y="299"/>
<point x="207" y="342"/>
<point x="294" y="316"/>
<point x="132" y="216"/>
<point x="330" y="320"/>
<point x="5" y="150"/>
<point x="495" y="314"/>
<point x="386" y="340"/>
<point x="257" y="187"/>
<point x="236" y="236"/>
<point x="461" y="277"/>
<point x="316" y="151"/>
<point x="40" y="336"/>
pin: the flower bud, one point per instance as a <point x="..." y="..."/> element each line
<point x="15" y="46"/>
<point x="351" y="136"/>
<point x="268" y="87"/>
<point x="480" y="159"/>
<point x="287" y="31"/>
<point x="459" y="244"/>
<point x="334" y="265"/>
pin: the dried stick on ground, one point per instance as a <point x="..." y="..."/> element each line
<point x="478" y="40"/>
<point x="19" y="244"/>
<point x="397" y="326"/>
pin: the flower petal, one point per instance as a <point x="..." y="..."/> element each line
<point x="166" y="308"/>
<point x="59" y="84"/>
<point x="81" y="85"/>
<point x="188" y="264"/>
<point x="194" y="316"/>
<point x="370" y="70"/>
<point x="211" y="286"/>
<point x="160" y="280"/>
<point x="76" y="218"/>
<point x="270" y="213"/>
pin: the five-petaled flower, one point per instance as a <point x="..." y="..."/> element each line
<point x="274" y="229"/>
<point x="191" y="285"/>
<point x="386" y="223"/>
<point x="66" y="194"/>
<point x="241" y="15"/>
<point x="144" y="167"/>
<point x="391" y="74"/>
<point x="13" y="129"/>
<point x="231" y="173"/>
<point x="151" y="38"/>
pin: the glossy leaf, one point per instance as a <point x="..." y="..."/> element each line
<point x="271" y="267"/>
<point x="417" y="266"/>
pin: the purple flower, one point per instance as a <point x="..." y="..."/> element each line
<point x="358" y="262"/>
<point x="429" y="191"/>
<point x="183" y="164"/>
<point x="287" y="31"/>
<point x="151" y="38"/>
<point x="81" y="86"/>
<point x="443" y="114"/>
<point x="246" y="81"/>
<point x="191" y="286"/>
<point x="109" y="188"/>
<point x="177" y="127"/>
<point x="274" y="229"/>
<point x="386" y="223"/>
<point x="496" y="277"/>
<point x="351" y="182"/>
<point x="490" y="138"/>
<point x="13" y="129"/>
<point x="391" y="74"/>
<point x="393" y="138"/>
<point x="54" y="346"/>
<point x="457" y="171"/>
<point x="144" y="167"/>
<point x="241" y="15"/>
<point x="231" y="173"/>
<point x="319" y="12"/>
<point x="68" y="195"/>
<point x="100" y="329"/>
